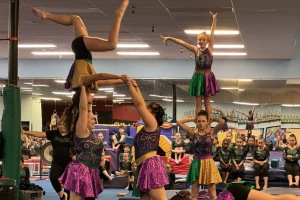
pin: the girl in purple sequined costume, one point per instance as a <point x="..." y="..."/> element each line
<point x="150" y="175"/>
<point x="203" y="170"/>
<point x="82" y="71"/>
<point x="203" y="83"/>
<point x="250" y="123"/>
<point x="81" y="176"/>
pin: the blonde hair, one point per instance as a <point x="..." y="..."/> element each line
<point x="205" y="34"/>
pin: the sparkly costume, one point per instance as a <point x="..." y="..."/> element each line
<point x="151" y="172"/>
<point x="188" y="147"/>
<point x="261" y="155"/>
<point x="203" y="81"/>
<point x="291" y="164"/>
<point x="82" y="176"/>
<point x="81" y="67"/>
<point x="250" y="124"/>
<point x="235" y="191"/>
<point x="203" y="167"/>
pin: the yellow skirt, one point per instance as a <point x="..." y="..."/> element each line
<point x="205" y="171"/>
<point x="83" y="69"/>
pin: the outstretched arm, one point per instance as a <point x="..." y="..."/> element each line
<point x="34" y="133"/>
<point x="212" y="32"/>
<point x="150" y="123"/>
<point x="220" y="111"/>
<point x="188" y="46"/>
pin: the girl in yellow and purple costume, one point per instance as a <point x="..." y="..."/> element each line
<point x="203" y="170"/>
<point x="82" y="71"/>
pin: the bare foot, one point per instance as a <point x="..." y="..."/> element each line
<point x="257" y="187"/>
<point x="39" y="13"/>
<point x="121" y="9"/>
<point x="265" y="187"/>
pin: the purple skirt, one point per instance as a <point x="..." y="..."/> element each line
<point x="81" y="179"/>
<point x="152" y="174"/>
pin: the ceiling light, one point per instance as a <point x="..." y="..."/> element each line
<point x="290" y="105"/>
<point x="245" y="80"/>
<point x="27" y="83"/>
<point x="100" y="97"/>
<point x="38" y="94"/>
<point x="138" y="53"/>
<point x="27" y="90"/>
<point x="39" y="85"/>
<point x="60" y="81"/>
<point x="50" y="98"/>
<point x="229" y="46"/>
<point x="118" y="100"/>
<point x="119" y="95"/>
<point x="229" y="53"/>
<point x="63" y="93"/>
<point x="229" y="88"/>
<point x="132" y="45"/>
<point x="178" y="100"/>
<point x="245" y="103"/>
<point x="52" y="53"/>
<point x="104" y="89"/>
<point x="107" y="91"/>
<point x="217" y="32"/>
<point x="36" y="45"/>
<point x="124" y="98"/>
<point x="167" y="99"/>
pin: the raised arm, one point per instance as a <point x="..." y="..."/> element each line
<point x="212" y="32"/>
<point x="81" y="124"/>
<point x="218" y="127"/>
<point x="186" y="128"/>
<point x="188" y="46"/>
<point x="150" y="123"/>
<point x="220" y="111"/>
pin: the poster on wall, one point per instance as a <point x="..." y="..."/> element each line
<point x="257" y="133"/>
<point x="274" y="133"/>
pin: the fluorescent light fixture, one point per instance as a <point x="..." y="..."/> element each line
<point x="178" y="100"/>
<point x="39" y="85"/>
<point x="104" y="89"/>
<point x="290" y="105"/>
<point x="38" y="94"/>
<point x="124" y="98"/>
<point x="100" y="97"/>
<point x="63" y="93"/>
<point x="107" y="91"/>
<point x="50" y="98"/>
<point x="217" y="32"/>
<point x="60" y="81"/>
<point x="138" y="53"/>
<point x="245" y="80"/>
<point x="118" y="100"/>
<point x="36" y="46"/>
<point x="52" y="53"/>
<point x="28" y="90"/>
<point x="155" y="95"/>
<point x="229" y="53"/>
<point x="229" y="88"/>
<point x="119" y="95"/>
<point x="132" y="45"/>
<point x="27" y="83"/>
<point x="229" y="46"/>
<point x="245" y="103"/>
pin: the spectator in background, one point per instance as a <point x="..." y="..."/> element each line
<point x="125" y="166"/>
<point x="105" y="168"/>
<point x="177" y="148"/>
<point x="119" y="138"/>
<point x="171" y="177"/>
<point x="126" y="149"/>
